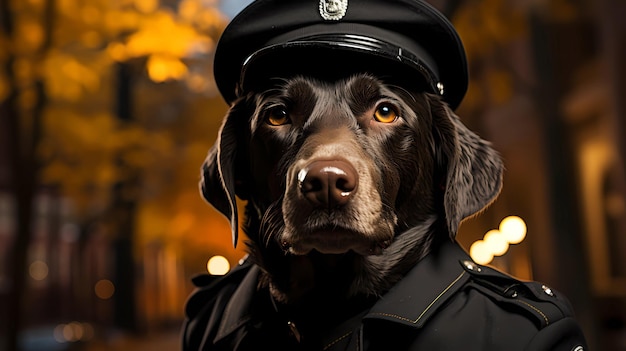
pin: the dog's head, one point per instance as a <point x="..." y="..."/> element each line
<point x="364" y="158"/>
<point x="346" y="166"/>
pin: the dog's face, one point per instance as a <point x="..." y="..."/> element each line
<point x="350" y="168"/>
<point x="344" y="152"/>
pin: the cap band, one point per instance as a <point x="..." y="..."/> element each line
<point x="339" y="41"/>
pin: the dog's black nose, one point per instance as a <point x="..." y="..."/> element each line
<point x="328" y="183"/>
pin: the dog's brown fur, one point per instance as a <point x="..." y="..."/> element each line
<point x="418" y="178"/>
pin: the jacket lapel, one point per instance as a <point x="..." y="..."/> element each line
<point x="411" y="302"/>
<point x="424" y="289"/>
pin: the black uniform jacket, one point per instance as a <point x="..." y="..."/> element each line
<point x="446" y="302"/>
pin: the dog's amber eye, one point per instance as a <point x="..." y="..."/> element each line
<point x="385" y="113"/>
<point x="277" y="116"/>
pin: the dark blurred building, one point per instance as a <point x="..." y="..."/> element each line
<point x="561" y="130"/>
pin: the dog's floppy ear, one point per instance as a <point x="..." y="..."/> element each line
<point x="472" y="168"/>
<point x="221" y="170"/>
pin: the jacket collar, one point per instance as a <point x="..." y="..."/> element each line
<point x="238" y="310"/>
<point x="425" y="288"/>
<point x="410" y="302"/>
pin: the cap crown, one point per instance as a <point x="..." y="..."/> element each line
<point x="401" y="39"/>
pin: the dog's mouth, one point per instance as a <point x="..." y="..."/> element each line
<point x="335" y="240"/>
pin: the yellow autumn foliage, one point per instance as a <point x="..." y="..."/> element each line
<point x="205" y="18"/>
<point x="146" y="6"/>
<point x="160" y="34"/>
<point x="186" y="223"/>
<point x="162" y="68"/>
<point x="120" y="20"/>
<point x="79" y="154"/>
<point x="67" y="78"/>
<point x="485" y="25"/>
<point x="31" y="33"/>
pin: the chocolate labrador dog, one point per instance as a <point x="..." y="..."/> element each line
<point x="355" y="172"/>
<point x="356" y="176"/>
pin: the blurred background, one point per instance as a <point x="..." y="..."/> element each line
<point x="108" y="109"/>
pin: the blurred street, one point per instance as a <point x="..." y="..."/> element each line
<point x="169" y="340"/>
<point x="43" y="339"/>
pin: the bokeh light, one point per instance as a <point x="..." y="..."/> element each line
<point x="496" y="242"/>
<point x="218" y="265"/>
<point x="104" y="289"/>
<point x="73" y="331"/>
<point x="38" y="270"/>
<point x="514" y="229"/>
<point x="480" y="252"/>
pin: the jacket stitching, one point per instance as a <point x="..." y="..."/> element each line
<point x="395" y="316"/>
<point x="545" y="318"/>
<point x="427" y="307"/>
<point x="337" y="340"/>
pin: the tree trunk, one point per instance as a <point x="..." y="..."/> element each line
<point x="124" y="212"/>
<point x="23" y="132"/>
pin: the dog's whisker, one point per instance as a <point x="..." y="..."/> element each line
<point x="271" y="223"/>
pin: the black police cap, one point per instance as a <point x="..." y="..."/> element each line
<point x="399" y="40"/>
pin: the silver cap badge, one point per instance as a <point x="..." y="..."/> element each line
<point x="333" y="10"/>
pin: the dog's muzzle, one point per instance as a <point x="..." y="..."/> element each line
<point x="328" y="184"/>
<point x="332" y="206"/>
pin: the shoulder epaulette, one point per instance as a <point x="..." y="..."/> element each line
<point x="535" y="299"/>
